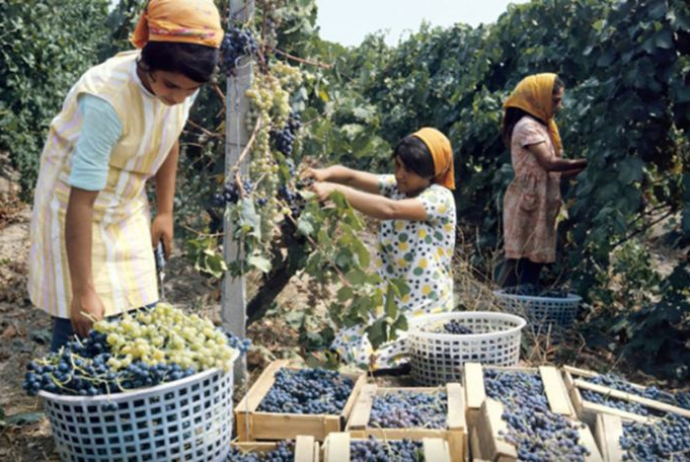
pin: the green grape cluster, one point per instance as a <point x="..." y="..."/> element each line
<point x="270" y="103"/>
<point x="166" y="335"/>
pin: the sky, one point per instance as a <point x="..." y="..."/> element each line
<point x="349" y="21"/>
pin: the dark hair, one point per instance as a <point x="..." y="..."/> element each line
<point x="416" y="157"/>
<point x="196" y="62"/>
<point x="512" y="115"/>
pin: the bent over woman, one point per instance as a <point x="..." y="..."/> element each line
<point x="91" y="236"/>
<point x="416" y="237"/>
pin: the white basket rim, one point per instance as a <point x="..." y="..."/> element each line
<point x="570" y="298"/>
<point x="427" y="319"/>
<point x="130" y="394"/>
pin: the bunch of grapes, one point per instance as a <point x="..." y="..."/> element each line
<point x="231" y="192"/>
<point x="283" y="139"/>
<point x="667" y="439"/>
<point x="538" y="433"/>
<point x="457" y="328"/>
<point x="390" y="451"/>
<point x="236" y="43"/>
<point x="307" y="391"/>
<point x="284" y="452"/>
<point x="409" y="410"/>
<point x="270" y="99"/>
<point x="135" y="351"/>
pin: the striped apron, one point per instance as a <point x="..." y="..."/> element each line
<point x="122" y="259"/>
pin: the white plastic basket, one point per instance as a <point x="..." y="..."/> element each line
<point x="185" y="420"/>
<point x="543" y="313"/>
<point x="436" y="358"/>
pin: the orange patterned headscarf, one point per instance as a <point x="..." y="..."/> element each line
<point x="442" y="154"/>
<point x="187" y="21"/>
<point x="534" y="95"/>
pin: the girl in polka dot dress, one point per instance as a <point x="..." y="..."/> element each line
<point x="416" y="236"/>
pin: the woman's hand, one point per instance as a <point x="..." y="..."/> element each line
<point x="85" y="307"/>
<point x="323" y="190"/>
<point x="316" y="174"/>
<point x="162" y="230"/>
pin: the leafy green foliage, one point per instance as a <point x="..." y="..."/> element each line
<point x="45" y="45"/>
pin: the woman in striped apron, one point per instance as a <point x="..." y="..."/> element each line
<point x="91" y="235"/>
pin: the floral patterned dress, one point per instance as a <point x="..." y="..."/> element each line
<point x="533" y="199"/>
<point x="420" y="252"/>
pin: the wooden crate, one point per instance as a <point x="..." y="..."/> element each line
<point x="253" y="425"/>
<point x="336" y="448"/>
<point x="455" y="432"/>
<point x="306" y="448"/>
<point x="587" y="411"/>
<point x="484" y="414"/>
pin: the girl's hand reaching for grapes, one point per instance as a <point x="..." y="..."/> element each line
<point x="323" y="189"/>
<point x="316" y="174"/>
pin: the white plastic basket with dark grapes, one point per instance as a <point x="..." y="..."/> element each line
<point x="154" y="386"/>
<point x="546" y="311"/>
<point x="440" y="344"/>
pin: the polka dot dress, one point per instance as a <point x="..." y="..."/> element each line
<point x="420" y="252"/>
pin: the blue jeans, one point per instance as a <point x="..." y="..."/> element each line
<point x="63" y="332"/>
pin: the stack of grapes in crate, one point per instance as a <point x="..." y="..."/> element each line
<point x="286" y="402"/>
<point x="303" y="449"/>
<point x="524" y="414"/>
<point x="342" y="447"/>
<point x="155" y="385"/>
<point x="402" y="414"/>
<point x="631" y="422"/>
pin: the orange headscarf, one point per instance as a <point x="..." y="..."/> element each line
<point x="534" y="95"/>
<point x="442" y="153"/>
<point x="187" y="21"/>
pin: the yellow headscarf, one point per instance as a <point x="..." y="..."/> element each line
<point x="534" y="95"/>
<point x="442" y="154"/>
<point x="187" y="21"/>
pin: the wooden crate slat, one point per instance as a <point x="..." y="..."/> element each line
<point x="435" y="449"/>
<point x="587" y="440"/>
<point x="304" y="448"/>
<point x="658" y="405"/>
<point x="608" y="432"/>
<point x="492" y="443"/>
<point x="592" y="409"/>
<point x="360" y="380"/>
<point x="257" y="392"/>
<point x="591" y="374"/>
<point x="475" y="447"/>
<point x="361" y="412"/>
<point x="456" y="407"/>
<point x="336" y="448"/>
<point x="401" y="433"/>
<point x="473" y="380"/>
<point x="555" y="390"/>
<point x="289" y="426"/>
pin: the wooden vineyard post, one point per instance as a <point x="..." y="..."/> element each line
<point x="234" y="303"/>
